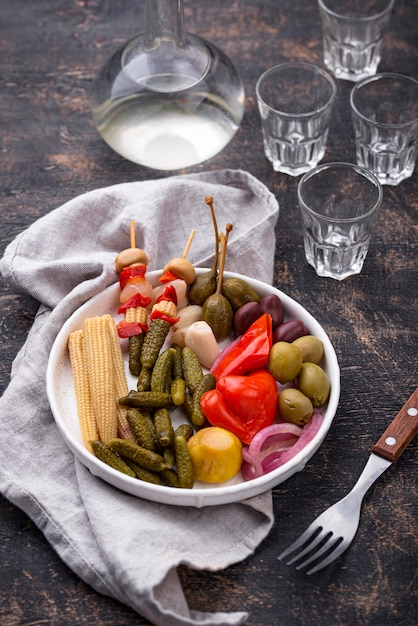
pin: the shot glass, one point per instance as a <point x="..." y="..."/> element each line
<point x="295" y="102"/>
<point x="384" y="109"/>
<point x="339" y="203"/>
<point x="352" y="35"/>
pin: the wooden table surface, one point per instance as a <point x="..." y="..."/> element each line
<point x="51" y="152"/>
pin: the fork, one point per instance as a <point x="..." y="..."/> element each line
<point x="332" y="532"/>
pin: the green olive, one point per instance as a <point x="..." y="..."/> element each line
<point x="295" y="407"/>
<point x="311" y="347"/>
<point x="285" y="361"/>
<point x="314" y="383"/>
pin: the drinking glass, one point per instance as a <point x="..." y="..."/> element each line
<point x="339" y="203"/>
<point x="384" y="110"/>
<point x="295" y="102"/>
<point x="352" y="35"/>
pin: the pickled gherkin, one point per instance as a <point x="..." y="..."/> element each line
<point x="164" y="430"/>
<point x="135" y="347"/>
<point x="161" y="372"/>
<point x="144" y="379"/>
<point x="187" y="406"/>
<point x="106" y="454"/>
<point x="145" y="458"/>
<point x="178" y="391"/>
<point x="169" y="457"/>
<point x="178" y="384"/>
<point x="144" y="474"/>
<point x="185" y="430"/>
<point x="154" y="341"/>
<point x="185" y="469"/>
<point x="146" y="399"/>
<point x="169" y="477"/>
<point x="142" y="425"/>
<point x="177" y="364"/>
<point x="207" y="383"/>
<point x="192" y="369"/>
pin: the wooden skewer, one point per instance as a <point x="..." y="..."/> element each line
<point x="189" y="243"/>
<point x="132" y="231"/>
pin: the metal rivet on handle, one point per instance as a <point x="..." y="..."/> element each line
<point x="390" y="441"/>
<point x="412" y="412"/>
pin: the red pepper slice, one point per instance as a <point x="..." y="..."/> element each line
<point x="158" y="315"/>
<point x="135" y="301"/>
<point x="169" y="293"/>
<point x="167" y="277"/>
<point x="129" y="329"/>
<point x="130" y="273"/>
<point x="252" y="398"/>
<point x="218" y="413"/>
<point x="249" y="352"/>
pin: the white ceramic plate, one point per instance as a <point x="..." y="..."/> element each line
<point x="60" y="389"/>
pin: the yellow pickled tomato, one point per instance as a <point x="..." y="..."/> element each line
<point x="215" y="453"/>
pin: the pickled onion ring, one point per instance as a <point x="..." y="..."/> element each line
<point x="280" y="431"/>
<point x="277" y="444"/>
<point x="309" y="431"/>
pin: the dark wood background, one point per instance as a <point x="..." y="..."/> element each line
<point x="51" y="152"/>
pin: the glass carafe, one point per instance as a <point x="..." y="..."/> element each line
<point x="167" y="99"/>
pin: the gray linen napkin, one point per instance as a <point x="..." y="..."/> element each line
<point x="124" y="547"/>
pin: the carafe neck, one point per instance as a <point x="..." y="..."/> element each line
<point x="165" y="21"/>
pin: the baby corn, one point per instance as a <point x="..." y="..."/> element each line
<point x="98" y="354"/>
<point x="137" y="314"/>
<point x="166" y="307"/>
<point x="88" y="424"/>
<point x="121" y="386"/>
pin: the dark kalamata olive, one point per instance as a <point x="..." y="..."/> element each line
<point x="245" y="316"/>
<point x="289" y="331"/>
<point x="272" y="304"/>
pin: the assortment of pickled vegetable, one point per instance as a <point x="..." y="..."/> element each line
<point x="249" y="383"/>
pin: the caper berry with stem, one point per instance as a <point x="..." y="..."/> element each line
<point x="216" y="310"/>
<point x="204" y="285"/>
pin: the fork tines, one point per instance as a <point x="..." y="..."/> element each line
<point x="312" y="545"/>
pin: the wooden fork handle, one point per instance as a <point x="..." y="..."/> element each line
<point x="400" y="431"/>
